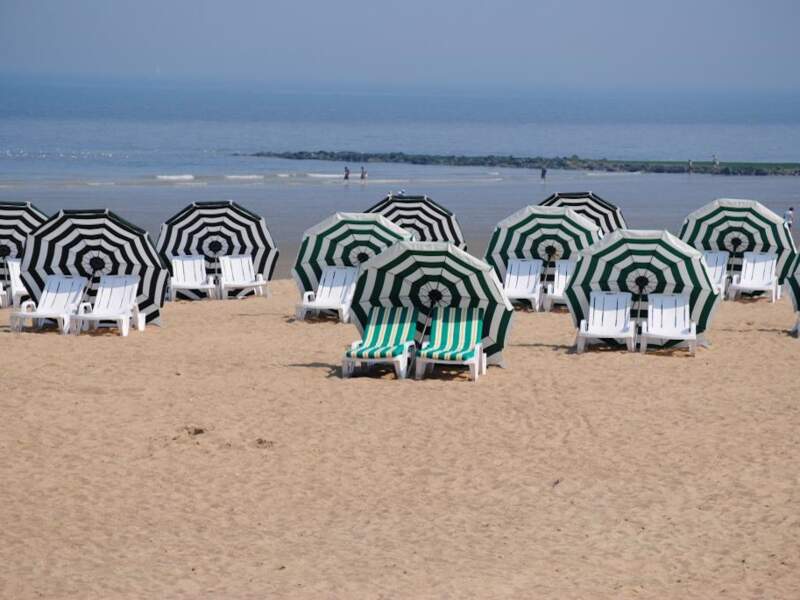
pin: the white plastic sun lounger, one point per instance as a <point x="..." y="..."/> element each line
<point x="59" y="301"/>
<point x="115" y="301"/>
<point x="758" y="274"/>
<point x="238" y="273"/>
<point x="609" y="317"/>
<point x="13" y="295"/>
<point x="189" y="273"/>
<point x="335" y="292"/>
<point x="523" y="281"/>
<point x="557" y="288"/>
<point x="668" y="318"/>
<point x="717" y="267"/>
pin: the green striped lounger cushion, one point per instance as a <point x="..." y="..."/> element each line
<point x="454" y="334"/>
<point x="386" y="334"/>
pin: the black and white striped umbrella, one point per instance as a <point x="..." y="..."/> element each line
<point x="793" y="283"/>
<point x="425" y="219"/>
<point x="740" y="226"/>
<point x="17" y="221"/>
<point x="588" y="204"/>
<point x="214" y="229"/>
<point x="428" y="275"/>
<point x="92" y="243"/>
<point x="342" y="240"/>
<point x="642" y="263"/>
<point x="548" y="233"/>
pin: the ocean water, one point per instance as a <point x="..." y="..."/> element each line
<point x="146" y="150"/>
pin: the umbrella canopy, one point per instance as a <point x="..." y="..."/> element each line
<point x="91" y="243"/>
<point x="425" y="219"/>
<point x="740" y="226"/>
<point x="588" y="204"/>
<point x="642" y="263"/>
<point x="793" y="282"/>
<point x="548" y="233"/>
<point x="214" y="229"/>
<point x="17" y="221"/>
<point x="342" y="240"/>
<point x="427" y="275"/>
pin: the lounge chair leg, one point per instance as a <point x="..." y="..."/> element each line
<point x="643" y="345"/>
<point x="124" y="327"/>
<point x="580" y="344"/>
<point x="474" y="367"/>
<point x="419" y="369"/>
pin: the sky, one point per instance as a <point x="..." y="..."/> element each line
<point x="697" y="44"/>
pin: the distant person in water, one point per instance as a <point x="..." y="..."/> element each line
<point x="543" y="173"/>
<point x="347" y="173"/>
<point x="715" y="160"/>
<point x="691" y="166"/>
<point x="363" y="173"/>
<point x="788" y="217"/>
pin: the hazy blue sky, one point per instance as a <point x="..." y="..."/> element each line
<point x="706" y="44"/>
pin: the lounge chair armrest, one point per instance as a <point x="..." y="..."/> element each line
<point x="27" y="306"/>
<point x="308" y="297"/>
<point x="549" y="289"/>
<point x="260" y="278"/>
<point x="210" y="280"/>
<point x="84" y="308"/>
<point x="584" y="326"/>
<point x="644" y="328"/>
<point x="694" y="328"/>
<point x="735" y="279"/>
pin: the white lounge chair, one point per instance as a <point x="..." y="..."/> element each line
<point x="669" y="317"/>
<point x="59" y="301"/>
<point x="609" y="317"/>
<point x="717" y="267"/>
<point x="524" y="281"/>
<point x="557" y="288"/>
<point x="238" y="273"/>
<point x="115" y="301"/>
<point x="15" y="292"/>
<point x="335" y="292"/>
<point x="189" y="273"/>
<point x="758" y="274"/>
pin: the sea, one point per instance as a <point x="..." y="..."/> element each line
<point x="145" y="149"/>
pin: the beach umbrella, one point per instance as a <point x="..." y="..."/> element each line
<point x="214" y="229"/>
<point x="642" y="262"/>
<point x="92" y="243"/>
<point x="793" y="283"/>
<point x="343" y="240"/>
<point x="549" y="233"/>
<point x="588" y="204"/>
<point x="425" y="219"/>
<point x="740" y="226"/>
<point x="17" y="221"/>
<point x="427" y="275"/>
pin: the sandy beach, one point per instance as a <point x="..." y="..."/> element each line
<point x="222" y="456"/>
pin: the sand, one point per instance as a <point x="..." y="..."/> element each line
<point x="222" y="456"/>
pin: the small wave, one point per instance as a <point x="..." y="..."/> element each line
<point x="244" y="177"/>
<point x="284" y="175"/>
<point x="611" y="173"/>
<point x="175" y="177"/>
<point x="100" y="183"/>
<point x="325" y="175"/>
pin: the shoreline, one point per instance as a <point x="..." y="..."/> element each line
<point x="568" y="163"/>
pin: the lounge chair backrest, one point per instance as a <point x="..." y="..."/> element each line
<point x="717" y="266"/>
<point x="187" y="270"/>
<point x="456" y="329"/>
<point x="390" y="326"/>
<point x="337" y="284"/>
<point x="237" y="268"/>
<point x="758" y="267"/>
<point x="563" y="272"/>
<point x="61" y="292"/>
<point x="116" y="294"/>
<point x="523" y="274"/>
<point x="14" y="266"/>
<point x="609" y="311"/>
<point x="669" y="313"/>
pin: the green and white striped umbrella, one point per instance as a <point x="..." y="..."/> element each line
<point x="548" y="233"/>
<point x="793" y="283"/>
<point x="740" y="226"/>
<point x="642" y="262"/>
<point x="427" y="275"/>
<point x="343" y="240"/>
